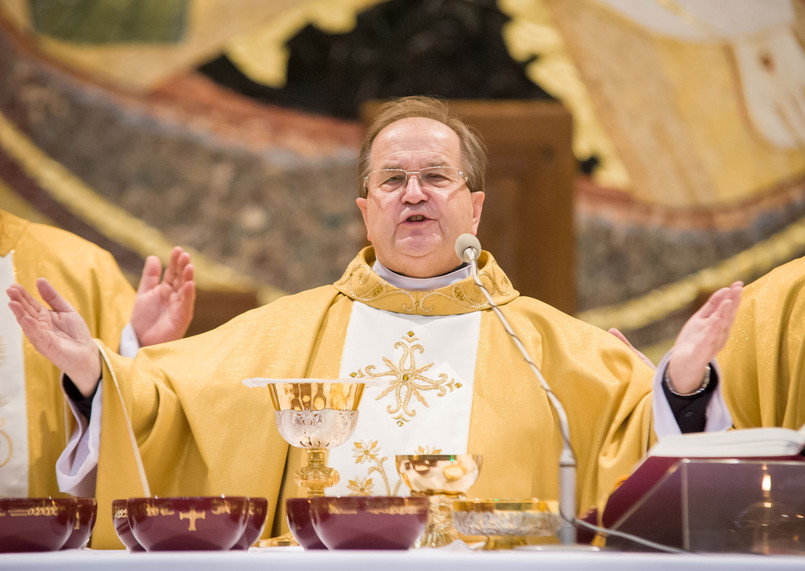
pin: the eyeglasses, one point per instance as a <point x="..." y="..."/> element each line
<point x="437" y="179"/>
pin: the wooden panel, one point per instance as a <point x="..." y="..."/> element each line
<point x="527" y="220"/>
<point x="214" y="308"/>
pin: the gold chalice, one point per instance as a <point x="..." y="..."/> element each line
<point x="444" y="478"/>
<point x="506" y="523"/>
<point x="314" y="414"/>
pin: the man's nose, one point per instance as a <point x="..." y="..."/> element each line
<point x="412" y="191"/>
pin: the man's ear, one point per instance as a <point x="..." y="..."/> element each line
<point x="477" y="206"/>
<point x="363" y="206"/>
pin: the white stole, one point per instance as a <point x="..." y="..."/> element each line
<point x="13" y="405"/>
<point x="423" y="405"/>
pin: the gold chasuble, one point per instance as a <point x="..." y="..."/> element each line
<point x="88" y="277"/>
<point x="763" y="363"/>
<point x="200" y="431"/>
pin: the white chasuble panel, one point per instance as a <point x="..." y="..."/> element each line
<point x="425" y="366"/>
<point x="13" y="407"/>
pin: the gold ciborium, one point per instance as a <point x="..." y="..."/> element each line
<point x="444" y="478"/>
<point x="506" y="523"/>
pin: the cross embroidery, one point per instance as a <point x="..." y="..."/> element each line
<point x="407" y="380"/>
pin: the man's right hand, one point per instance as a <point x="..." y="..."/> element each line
<point x="59" y="333"/>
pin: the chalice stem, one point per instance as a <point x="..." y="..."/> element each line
<point x="316" y="475"/>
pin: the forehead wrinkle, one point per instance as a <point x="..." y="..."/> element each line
<point x="415" y="141"/>
<point x="395" y="165"/>
<point x="421" y="157"/>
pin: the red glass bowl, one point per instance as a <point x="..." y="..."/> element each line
<point x="86" y="512"/>
<point x="258" y="510"/>
<point x="297" y="512"/>
<point x="188" y="523"/>
<point x="369" y="522"/>
<point x="35" y="524"/>
<point x="120" y="520"/>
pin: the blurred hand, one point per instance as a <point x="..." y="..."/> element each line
<point x="622" y="337"/>
<point x="702" y="337"/>
<point x="163" y="309"/>
<point x="59" y="333"/>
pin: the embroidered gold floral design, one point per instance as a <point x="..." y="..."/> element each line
<point x="366" y="452"/>
<point x="428" y="450"/>
<point x="361" y="487"/>
<point x="407" y="379"/>
<point x="8" y="444"/>
<point x="369" y="452"/>
<point x="357" y="279"/>
<point x="361" y="284"/>
<point x="4" y="458"/>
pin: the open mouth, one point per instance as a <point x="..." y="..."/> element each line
<point x="415" y="218"/>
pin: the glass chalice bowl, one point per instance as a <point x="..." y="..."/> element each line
<point x="443" y="478"/>
<point x="315" y="414"/>
<point x="506" y="523"/>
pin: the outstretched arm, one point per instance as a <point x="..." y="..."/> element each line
<point x="58" y="332"/>
<point x="702" y="337"/>
<point x="163" y="308"/>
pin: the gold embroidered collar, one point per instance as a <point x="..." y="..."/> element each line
<point x="360" y="283"/>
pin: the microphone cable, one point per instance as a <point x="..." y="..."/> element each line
<point x="468" y="248"/>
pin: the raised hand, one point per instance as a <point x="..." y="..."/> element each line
<point x="58" y="332"/>
<point x="163" y="309"/>
<point x="702" y="337"/>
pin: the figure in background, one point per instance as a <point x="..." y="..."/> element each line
<point x="406" y="312"/>
<point x="764" y="358"/>
<point x="33" y="425"/>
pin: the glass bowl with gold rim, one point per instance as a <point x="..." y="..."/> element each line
<point x="506" y="523"/>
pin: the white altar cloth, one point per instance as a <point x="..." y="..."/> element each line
<point x="295" y="559"/>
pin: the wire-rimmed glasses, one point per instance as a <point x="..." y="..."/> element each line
<point x="436" y="179"/>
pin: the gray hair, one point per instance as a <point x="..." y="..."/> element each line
<point x="473" y="150"/>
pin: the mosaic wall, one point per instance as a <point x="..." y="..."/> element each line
<point x="252" y="181"/>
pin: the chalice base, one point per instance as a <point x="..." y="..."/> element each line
<point x="439" y="529"/>
<point x="503" y="542"/>
<point x="284" y="540"/>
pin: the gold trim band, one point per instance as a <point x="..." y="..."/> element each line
<point x="661" y="302"/>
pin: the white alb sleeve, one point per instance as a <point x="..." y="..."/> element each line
<point x="718" y="415"/>
<point x="76" y="468"/>
<point x="129" y="344"/>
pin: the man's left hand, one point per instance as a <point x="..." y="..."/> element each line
<point x="702" y="337"/>
<point x="163" y="309"/>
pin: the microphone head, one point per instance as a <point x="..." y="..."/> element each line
<point x="467" y="242"/>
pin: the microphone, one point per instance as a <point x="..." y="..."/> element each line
<point x="468" y="249"/>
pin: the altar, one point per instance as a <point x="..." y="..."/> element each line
<point x="444" y="559"/>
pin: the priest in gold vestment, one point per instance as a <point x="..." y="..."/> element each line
<point x="764" y="358"/>
<point x="405" y="313"/>
<point x="33" y="424"/>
